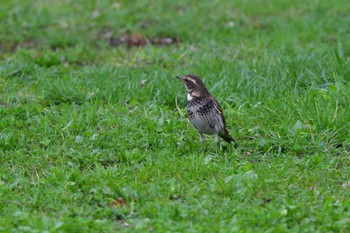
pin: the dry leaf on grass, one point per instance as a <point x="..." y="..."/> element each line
<point x="120" y="202"/>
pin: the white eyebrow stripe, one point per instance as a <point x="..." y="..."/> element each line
<point x="192" y="80"/>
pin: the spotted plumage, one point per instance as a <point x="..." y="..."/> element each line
<point x="204" y="111"/>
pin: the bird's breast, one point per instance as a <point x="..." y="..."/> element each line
<point x="204" y="116"/>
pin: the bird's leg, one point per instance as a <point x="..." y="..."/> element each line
<point x="202" y="142"/>
<point x="216" y="140"/>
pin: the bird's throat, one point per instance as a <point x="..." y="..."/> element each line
<point x="189" y="97"/>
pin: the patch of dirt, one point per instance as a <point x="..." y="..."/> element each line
<point x="11" y="46"/>
<point x="138" y="40"/>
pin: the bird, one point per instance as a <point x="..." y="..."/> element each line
<point x="204" y="111"/>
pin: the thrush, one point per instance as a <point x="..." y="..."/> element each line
<point x="204" y="111"/>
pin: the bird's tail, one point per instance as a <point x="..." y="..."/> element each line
<point x="226" y="136"/>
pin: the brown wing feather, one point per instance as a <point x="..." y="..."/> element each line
<point x="223" y="134"/>
<point x="217" y="105"/>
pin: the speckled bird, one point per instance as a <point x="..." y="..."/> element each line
<point x="204" y="111"/>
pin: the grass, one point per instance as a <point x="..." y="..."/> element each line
<point x="84" y="147"/>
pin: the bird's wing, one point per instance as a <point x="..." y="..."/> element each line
<point x="218" y="109"/>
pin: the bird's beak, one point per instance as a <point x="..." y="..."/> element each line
<point x="179" y="77"/>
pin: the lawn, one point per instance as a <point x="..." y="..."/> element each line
<point x="93" y="129"/>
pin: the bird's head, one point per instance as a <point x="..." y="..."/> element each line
<point x="194" y="85"/>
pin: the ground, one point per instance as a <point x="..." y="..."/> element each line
<point x="93" y="128"/>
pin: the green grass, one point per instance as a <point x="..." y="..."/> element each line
<point x="78" y="131"/>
